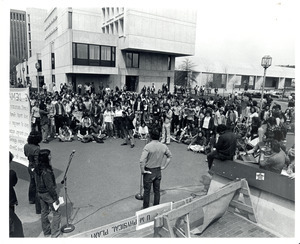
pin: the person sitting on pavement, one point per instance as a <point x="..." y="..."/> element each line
<point x="198" y="143"/>
<point x="96" y="132"/>
<point x="143" y="131"/>
<point x="225" y="146"/>
<point x="65" y="134"/>
<point x="277" y="160"/>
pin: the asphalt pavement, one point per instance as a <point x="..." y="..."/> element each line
<point x="102" y="181"/>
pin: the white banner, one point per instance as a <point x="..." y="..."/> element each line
<point x="19" y="123"/>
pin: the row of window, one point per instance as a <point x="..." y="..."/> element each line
<point x="94" y="55"/>
<point x="17" y="16"/>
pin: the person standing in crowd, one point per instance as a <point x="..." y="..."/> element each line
<point x="44" y="122"/>
<point x="59" y="115"/>
<point x="225" y="147"/>
<point x="31" y="151"/>
<point x="46" y="186"/>
<point x="51" y="112"/>
<point x="166" y="128"/>
<point x="108" y="118"/>
<point x="128" y="127"/>
<point x="207" y="125"/>
<point x="36" y="117"/>
<point x="151" y="163"/>
<point x="118" y="121"/>
<point x="15" y="224"/>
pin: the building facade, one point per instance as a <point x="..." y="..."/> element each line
<point x="18" y="43"/>
<point x="112" y="47"/>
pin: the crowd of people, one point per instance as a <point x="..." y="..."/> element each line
<point x="183" y="118"/>
<point x="221" y="127"/>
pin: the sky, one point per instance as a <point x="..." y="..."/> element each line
<point x="231" y="32"/>
<point x="242" y="32"/>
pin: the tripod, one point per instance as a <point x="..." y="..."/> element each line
<point x="67" y="228"/>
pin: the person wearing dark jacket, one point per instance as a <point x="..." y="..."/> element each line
<point x="46" y="187"/>
<point x="225" y="146"/>
<point x="31" y="151"/>
<point x="15" y="224"/>
<point x="128" y="127"/>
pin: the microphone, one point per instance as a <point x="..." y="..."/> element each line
<point x="71" y="156"/>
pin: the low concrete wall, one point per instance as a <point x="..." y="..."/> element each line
<point x="272" y="212"/>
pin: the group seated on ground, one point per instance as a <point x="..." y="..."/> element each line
<point x="98" y="115"/>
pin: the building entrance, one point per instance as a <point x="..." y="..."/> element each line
<point x="132" y="83"/>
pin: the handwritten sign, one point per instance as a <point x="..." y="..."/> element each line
<point x="19" y="123"/>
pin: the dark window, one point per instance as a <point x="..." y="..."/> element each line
<point x="27" y="69"/>
<point x="94" y="55"/>
<point x="82" y="54"/>
<point x="40" y="64"/>
<point x="53" y="60"/>
<point x="30" y="54"/>
<point x="132" y="60"/>
<point x="28" y="27"/>
<point x="70" y="20"/>
<point x="53" y="79"/>
<point x="169" y="63"/>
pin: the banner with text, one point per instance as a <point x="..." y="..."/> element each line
<point x="19" y="123"/>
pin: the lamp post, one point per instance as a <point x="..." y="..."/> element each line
<point x="266" y="63"/>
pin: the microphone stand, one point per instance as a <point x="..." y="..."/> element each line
<point x="67" y="228"/>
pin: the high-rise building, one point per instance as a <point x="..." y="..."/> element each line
<point x="18" y="43"/>
<point x="112" y="47"/>
<point x="18" y="39"/>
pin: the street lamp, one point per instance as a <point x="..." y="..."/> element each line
<point x="37" y="66"/>
<point x="266" y="63"/>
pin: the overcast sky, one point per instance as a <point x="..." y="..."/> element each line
<point x="242" y="32"/>
<point x="231" y="32"/>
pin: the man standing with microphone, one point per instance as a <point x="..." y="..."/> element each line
<point x="151" y="163"/>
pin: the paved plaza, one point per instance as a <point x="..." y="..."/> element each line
<point x="103" y="179"/>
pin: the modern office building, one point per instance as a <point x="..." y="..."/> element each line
<point x="18" y="40"/>
<point x="112" y="47"/>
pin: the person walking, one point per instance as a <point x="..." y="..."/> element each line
<point x="46" y="187"/>
<point x="31" y="151"/>
<point x="152" y="161"/>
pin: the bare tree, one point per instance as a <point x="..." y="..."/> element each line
<point x="188" y="76"/>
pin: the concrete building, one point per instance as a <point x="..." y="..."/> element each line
<point x="278" y="78"/>
<point x="112" y="47"/>
<point x="18" y="43"/>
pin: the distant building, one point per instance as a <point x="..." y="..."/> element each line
<point x="112" y="47"/>
<point x="18" y="43"/>
<point x="278" y="78"/>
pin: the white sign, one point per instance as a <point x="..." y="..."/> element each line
<point x="19" y="123"/>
